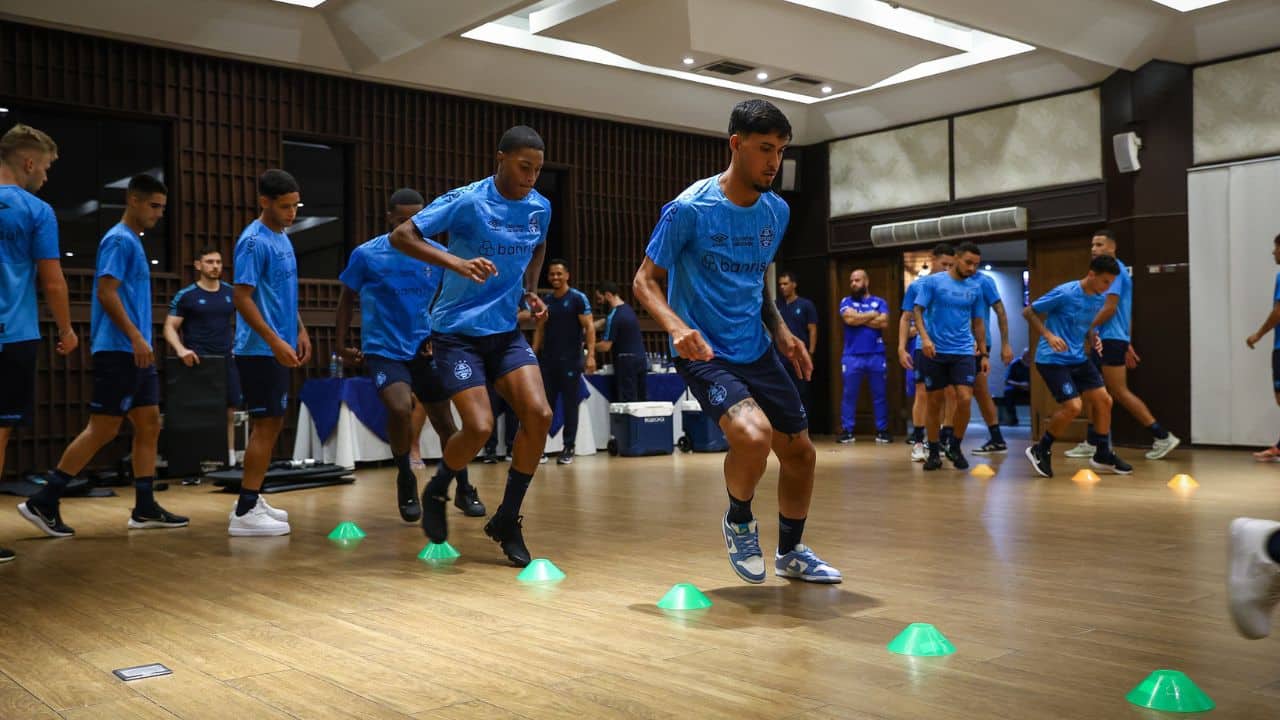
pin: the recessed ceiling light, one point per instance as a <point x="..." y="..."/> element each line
<point x="1189" y="5"/>
<point x="155" y="262"/>
<point x="826" y="89"/>
<point x="3" y="110"/>
<point x="762" y="76"/>
<point x="69" y="254"/>
<point x="688" y="61"/>
<point x="303" y="3"/>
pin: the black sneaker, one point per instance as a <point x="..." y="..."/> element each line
<point x="6" y="555"/>
<point x="951" y="448"/>
<point x="490" y="456"/>
<point x="407" y="499"/>
<point x="506" y="532"/>
<point x="991" y="448"/>
<point x="933" y="462"/>
<point x="1111" y="463"/>
<point x="566" y="457"/>
<point x="468" y="501"/>
<point x="48" y="523"/>
<point x="435" y="523"/>
<point x="155" y="517"/>
<point x="883" y="437"/>
<point x="957" y="458"/>
<point x="845" y="438"/>
<point x="1040" y="461"/>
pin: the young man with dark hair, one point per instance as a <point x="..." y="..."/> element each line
<point x="865" y="317"/>
<point x="270" y="341"/>
<point x="29" y="246"/>
<point x="949" y="316"/>
<point x="717" y="311"/>
<point x="395" y="347"/>
<point x="941" y="260"/>
<point x="497" y="238"/>
<point x="201" y="323"/>
<point x="801" y="317"/>
<point x="620" y="330"/>
<point x="1063" y="317"/>
<point x="125" y="383"/>
<point x="1271" y="454"/>
<point x="1117" y="355"/>
<point x="558" y="340"/>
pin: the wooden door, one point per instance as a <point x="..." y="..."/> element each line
<point x="885" y="274"/>
<point x="1051" y="262"/>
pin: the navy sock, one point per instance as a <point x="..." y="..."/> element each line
<point x="1089" y="434"/>
<point x="1273" y="546"/>
<point x="934" y="448"/>
<point x="918" y="434"/>
<point x="1046" y="442"/>
<point x="248" y="498"/>
<point x="947" y="433"/>
<point x="48" y="496"/>
<point x="996" y="436"/>
<point x="463" y="482"/>
<point x="789" y="533"/>
<point x="143" y="493"/>
<point x="1157" y="430"/>
<point x="1103" y="445"/>
<point x="513" y="497"/>
<point x="739" y="510"/>
<point x="438" y="486"/>
<point x="404" y="469"/>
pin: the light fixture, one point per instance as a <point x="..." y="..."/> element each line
<point x="986" y="267"/>
<point x="303" y="3"/>
<point x="69" y="254"/>
<point x="300" y="205"/>
<point x="762" y="76"/>
<point x="155" y="262"/>
<point x="688" y="61"/>
<point x="1189" y="5"/>
<point x="826" y="89"/>
<point x="4" y="110"/>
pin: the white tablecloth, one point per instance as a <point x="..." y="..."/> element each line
<point x="600" y="417"/>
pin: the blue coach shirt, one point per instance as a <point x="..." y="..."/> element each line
<point x="1117" y="328"/>
<point x="483" y="223"/>
<point x="264" y="260"/>
<point x="121" y="256"/>
<point x="1069" y="311"/>
<point x="395" y="297"/>
<point x="562" y="334"/>
<point x="206" y="318"/>
<point x="622" y="328"/>
<point x="716" y="254"/>
<point x="863" y="339"/>
<point x="798" y="315"/>
<point x="949" y="308"/>
<point x="28" y="232"/>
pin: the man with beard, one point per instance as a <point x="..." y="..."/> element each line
<point x="865" y="317"/>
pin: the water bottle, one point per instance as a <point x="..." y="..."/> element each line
<point x="333" y="365"/>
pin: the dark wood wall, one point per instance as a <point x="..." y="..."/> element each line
<point x="227" y="120"/>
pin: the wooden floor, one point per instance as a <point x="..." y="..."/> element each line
<point x="1059" y="597"/>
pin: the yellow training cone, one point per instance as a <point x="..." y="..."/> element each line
<point x="1182" y="481"/>
<point x="1086" y="476"/>
<point x="982" y="470"/>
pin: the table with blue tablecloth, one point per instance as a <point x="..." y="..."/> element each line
<point x="664" y="387"/>
<point x="342" y="421"/>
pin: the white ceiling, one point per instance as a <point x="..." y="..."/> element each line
<point x="625" y="59"/>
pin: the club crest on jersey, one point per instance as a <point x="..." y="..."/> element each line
<point x="766" y="236"/>
<point x="717" y="394"/>
<point x="535" y="225"/>
<point x="462" y="370"/>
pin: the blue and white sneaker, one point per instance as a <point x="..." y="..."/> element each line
<point x="803" y="564"/>
<point x="743" y="542"/>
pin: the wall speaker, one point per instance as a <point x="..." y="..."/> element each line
<point x="1126" y="146"/>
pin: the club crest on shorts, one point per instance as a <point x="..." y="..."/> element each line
<point x="125" y="403"/>
<point x="380" y="379"/>
<point x="717" y="394"/>
<point x="284" y="401"/>
<point x="462" y="370"/>
<point x="1068" y="388"/>
<point x="532" y="354"/>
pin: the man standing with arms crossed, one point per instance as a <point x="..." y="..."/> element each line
<point x="865" y="317"/>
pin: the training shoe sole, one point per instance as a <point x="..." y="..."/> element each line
<point x="820" y="579"/>
<point x="156" y="524"/>
<point x="1109" y="468"/>
<point x="257" y="532"/>
<point x="34" y="519"/>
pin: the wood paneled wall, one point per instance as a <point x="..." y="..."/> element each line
<point x="227" y="120"/>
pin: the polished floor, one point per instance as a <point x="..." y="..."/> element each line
<point x="1059" y="597"/>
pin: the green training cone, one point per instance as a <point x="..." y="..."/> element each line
<point x="436" y="553"/>
<point x="684" y="596"/>
<point x="541" y="570"/>
<point x="922" y="640"/>
<point x="346" y="532"/>
<point x="1169" y="691"/>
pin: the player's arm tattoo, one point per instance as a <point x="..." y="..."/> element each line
<point x="769" y="313"/>
<point x="745" y="406"/>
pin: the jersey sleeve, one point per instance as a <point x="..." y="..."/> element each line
<point x="846" y="303"/>
<point x="1275" y="295"/>
<point x="353" y="275"/>
<point x="909" y="298"/>
<point x="882" y="305"/>
<point x="178" y="305"/>
<point x="248" y="260"/>
<point x="46" y="234"/>
<point x="1048" y="302"/>
<point x="672" y="233"/>
<point x="810" y="313"/>
<point x="608" y="325"/>
<point x="980" y="307"/>
<point x="443" y="214"/>
<point x="585" y="304"/>
<point x="113" y="258"/>
<point x="1122" y="281"/>
<point x="990" y="293"/>
<point x="924" y="295"/>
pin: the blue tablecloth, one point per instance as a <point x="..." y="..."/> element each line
<point x="324" y="398"/>
<point x="664" y="387"/>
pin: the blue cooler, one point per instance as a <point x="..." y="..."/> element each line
<point x="701" y="434"/>
<point x="640" y="428"/>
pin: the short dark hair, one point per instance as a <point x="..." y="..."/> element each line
<point x="276" y="182"/>
<point x="519" y="138"/>
<point x="1104" y="232"/>
<point x="787" y="274"/>
<point x="968" y="247"/>
<point x="405" y="196"/>
<point x="1105" y="264"/>
<point x="758" y="116"/>
<point x="608" y="286"/>
<point x="943" y="249"/>
<point x="207" y="250"/>
<point x="144" y="184"/>
<point x="558" y="261"/>
<point x="1278" y="239"/>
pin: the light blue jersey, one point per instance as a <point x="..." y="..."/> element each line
<point x="990" y="296"/>
<point x="1069" y="312"/>
<point x="264" y="259"/>
<point x="950" y="306"/>
<point x="395" y="297"/>
<point x="716" y="254"/>
<point x="121" y="256"/>
<point x="483" y="223"/>
<point x="1117" y="328"/>
<point x="28" y="232"/>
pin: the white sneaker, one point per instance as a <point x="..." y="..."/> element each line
<point x="1160" y="448"/>
<point x="256" y="523"/>
<point x="1083" y="450"/>
<point x="274" y="512"/>
<point x="919" y="453"/>
<point x="1253" y="580"/>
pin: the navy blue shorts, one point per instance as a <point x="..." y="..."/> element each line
<point x="266" y="385"/>
<point x="419" y="374"/>
<point x="120" y="386"/>
<point x="719" y="385"/>
<point x="1275" y="369"/>
<point x="465" y="361"/>
<point x="1070" y="381"/>
<point x="235" y="396"/>
<point x="18" y="382"/>
<point x="945" y="370"/>
<point x="1113" y="353"/>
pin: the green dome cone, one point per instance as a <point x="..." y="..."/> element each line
<point x="1170" y="691"/>
<point x="684" y="596"/>
<point x="921" y="640"/>
<point x="438" y="553"/>
<point x="347" y="532"/>
<point x="541" y="570"/>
